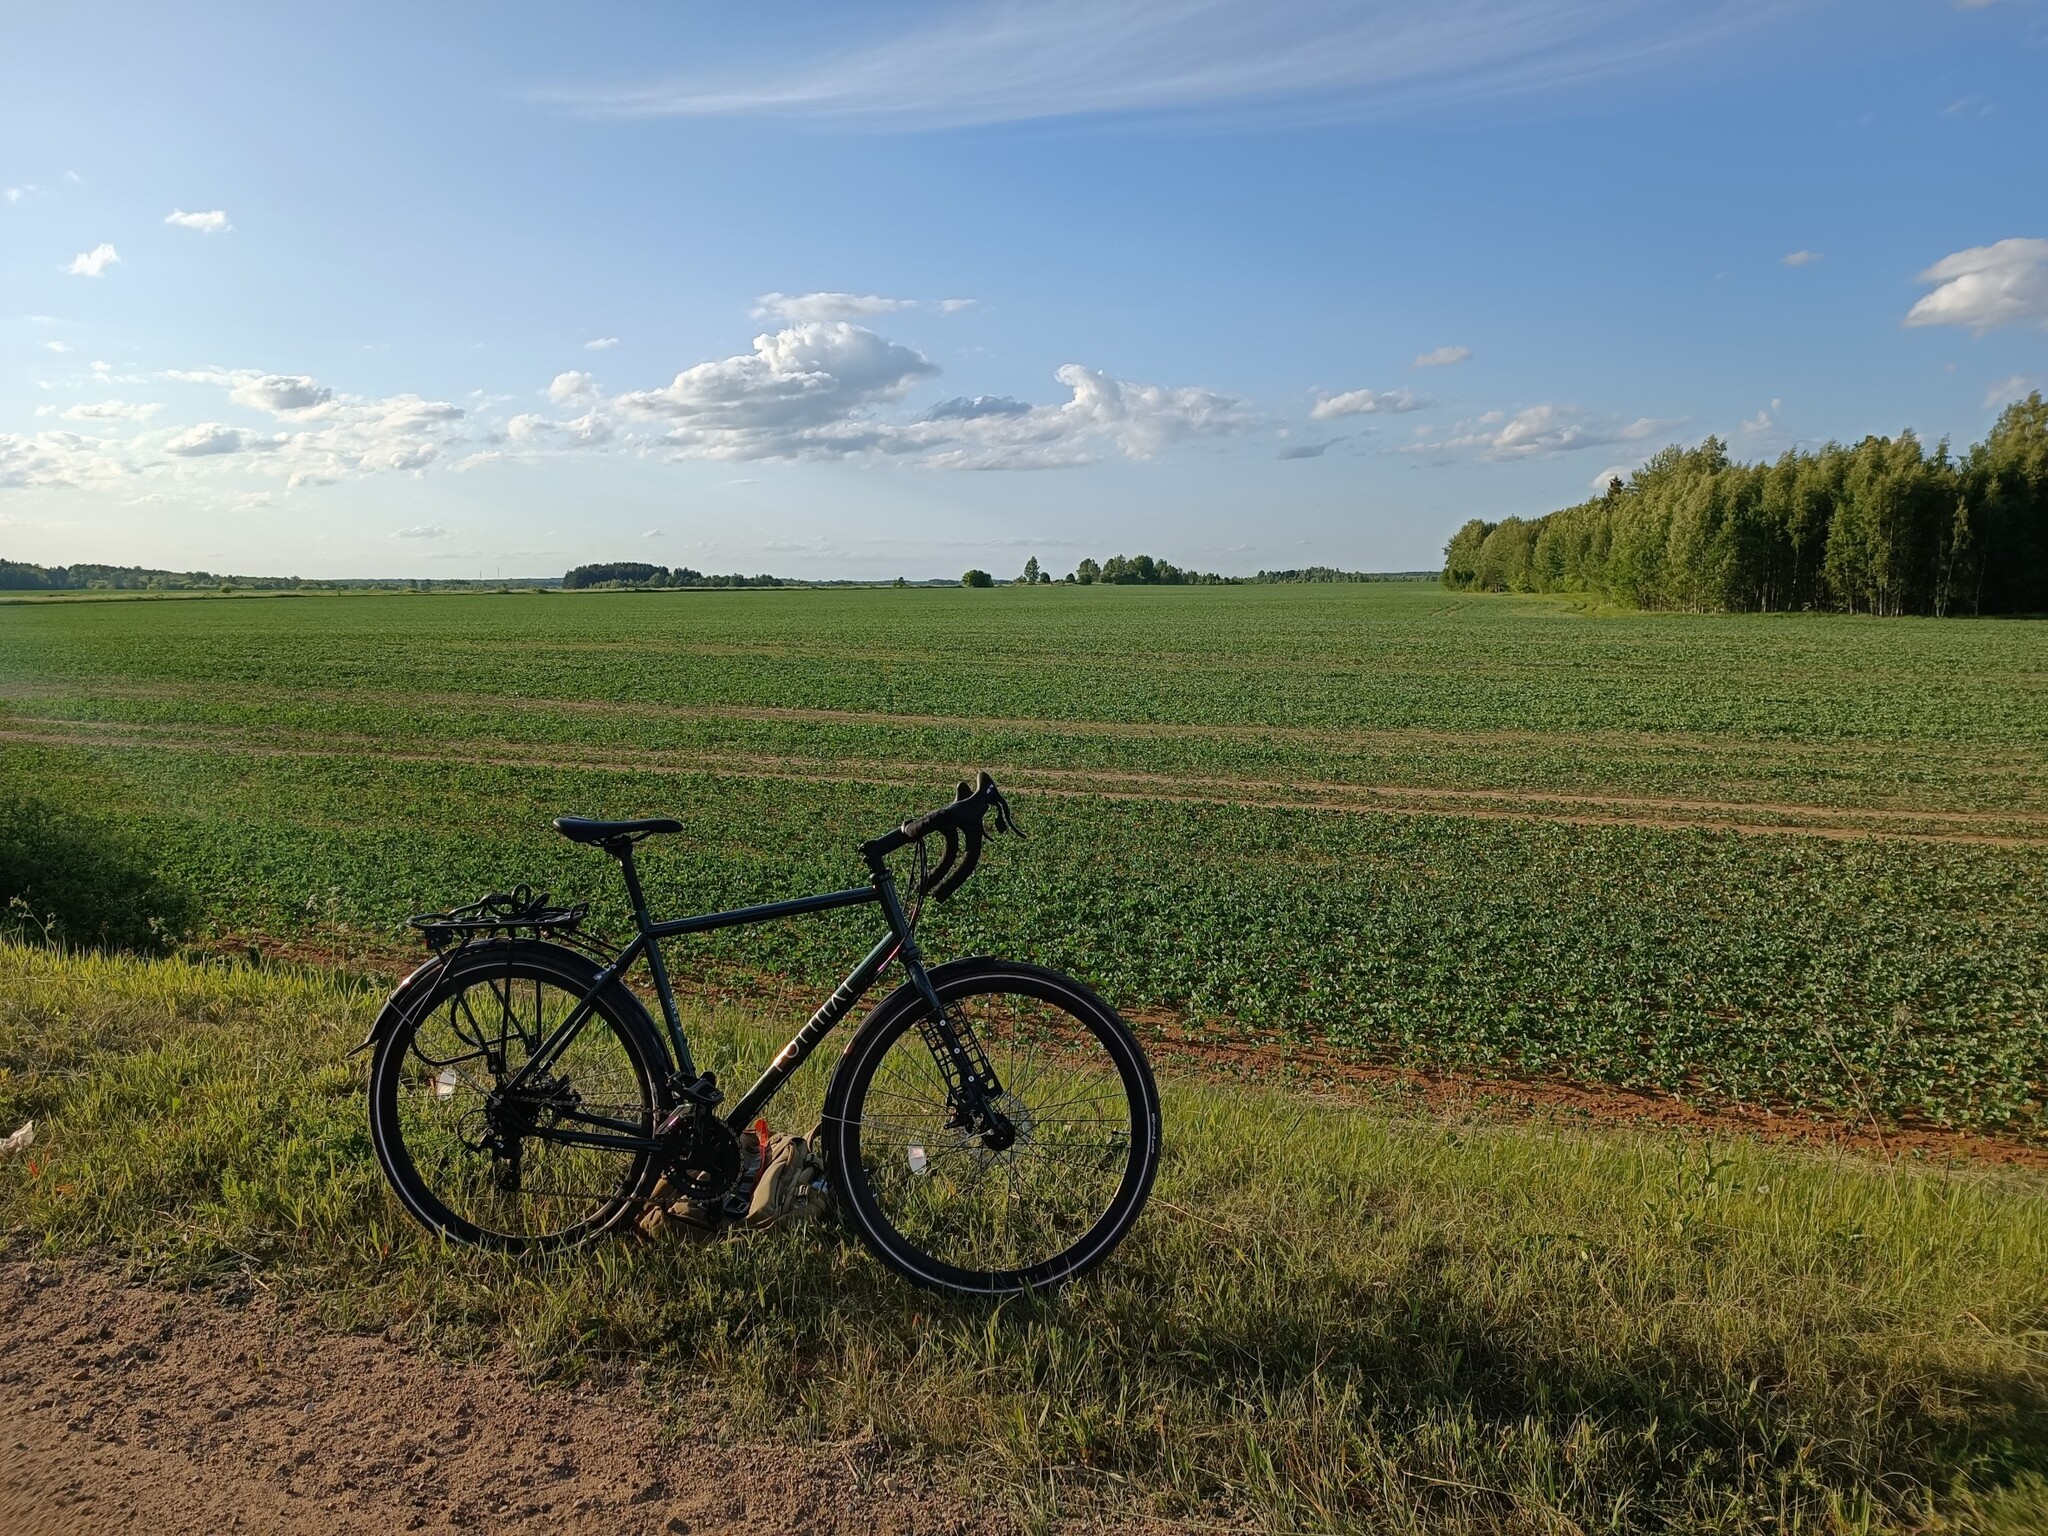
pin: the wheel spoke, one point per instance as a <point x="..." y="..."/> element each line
<point x="463" y="1136"/>
<point x="1010" y="1210"/>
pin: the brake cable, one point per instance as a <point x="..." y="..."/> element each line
<point x="917" y="886"/>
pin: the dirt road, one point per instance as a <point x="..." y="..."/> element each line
<point x="123" y="1408"/>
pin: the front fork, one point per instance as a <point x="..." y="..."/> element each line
<point x="973" y="1091"/>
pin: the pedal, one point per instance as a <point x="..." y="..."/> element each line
<point x="701" y="1093"/>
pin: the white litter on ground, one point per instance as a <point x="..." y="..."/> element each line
<point x="20" y="1141"/>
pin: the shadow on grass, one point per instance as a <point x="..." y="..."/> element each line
<point x="1326" y="1321"/>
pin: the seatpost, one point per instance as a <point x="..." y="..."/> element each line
<point x="623" y="852"/>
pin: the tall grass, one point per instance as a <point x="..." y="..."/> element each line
<point x="1327" y="1320"/>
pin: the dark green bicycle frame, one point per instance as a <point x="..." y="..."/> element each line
<point x="900" y="941"/>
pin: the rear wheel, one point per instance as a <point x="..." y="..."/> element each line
<point x="484" y="1163"/>
<point x="1029" y="1208"/>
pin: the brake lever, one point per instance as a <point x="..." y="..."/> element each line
<point x="1005" y="820"/>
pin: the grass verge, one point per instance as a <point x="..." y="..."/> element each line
<point x="1327" y="1321"/>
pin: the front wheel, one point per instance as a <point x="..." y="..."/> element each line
<point x="1027" y="1210"/>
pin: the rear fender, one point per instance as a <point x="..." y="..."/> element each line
<point x="413" y="993"/>
<point x="403" y="998"/>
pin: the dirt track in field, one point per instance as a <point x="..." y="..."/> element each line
<point x="2020" y="829"/>
<point x="129" y="1409"/>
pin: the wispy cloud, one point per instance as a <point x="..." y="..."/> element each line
<point x="1010" y="60"/>
<point x="799" y="307"/>
<point x="422" y="531"/>
<point x="1443" y="357"/>
<point x="600" y="343"/>
<point x="2005" y="391"/>
<point x="1369" y="402"/>
<point x="1986" y="286"/>
<point x="1543" y="430"/>
<point x="112" y="410"/>
<point x="211" y="222"/>
<point x="1801" y="258"/>
<point x="93" y="262"/>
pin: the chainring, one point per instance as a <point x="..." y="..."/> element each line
<point x="707" y="1161"/>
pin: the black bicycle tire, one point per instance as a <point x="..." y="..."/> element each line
<point x="864" y="1053"/>
<point x="523" y="959"/>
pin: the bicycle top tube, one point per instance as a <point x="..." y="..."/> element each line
<point x="766" y="912"/>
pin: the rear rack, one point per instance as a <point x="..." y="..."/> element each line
<point x="519" y="910"/>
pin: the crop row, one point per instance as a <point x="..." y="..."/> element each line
<point x="1850" y="976"/>
<point x="1389" y="656"/>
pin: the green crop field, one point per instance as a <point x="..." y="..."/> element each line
<point x="1797" y="860"/>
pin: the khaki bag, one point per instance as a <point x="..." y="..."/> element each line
<point x="789" y="1186"/>
<point x="792" y="1182"/>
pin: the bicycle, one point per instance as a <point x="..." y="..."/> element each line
<point x="991" y="1127"/>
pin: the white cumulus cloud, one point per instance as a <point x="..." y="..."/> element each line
<point x="1986" y="286"/>
<point x="823" y="389"/>
<point x="281" y="394"/>
<point x="802" y="390"/>
<point x="211" y="222"/>
<point x="1369" y="402"/>
<point x="209" y="439"/>
<point x="51" y="459"/>
<point x="1444" y="357"/>
<point x="600" y="343"/>
<point x="94" y="262"/>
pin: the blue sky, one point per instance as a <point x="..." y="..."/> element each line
<point x="864" y="289"/>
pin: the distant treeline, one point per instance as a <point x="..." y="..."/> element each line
<point x="636" y="573"/>
<point x="18" y="576"/>
<point x="1149" y="571"/>
<point x="1884" y="528"/>
<point x="1326" y="573"/>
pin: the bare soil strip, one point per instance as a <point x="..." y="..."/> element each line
<point x="1378" y="738"/>
<point x="1498" y="1097"/>
<point x="127" y="1409"/>
<point x="1563" y="808"/>
<point x="1239" y="1052"/>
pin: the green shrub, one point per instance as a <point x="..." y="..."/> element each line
<point x="83" y="881"/>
